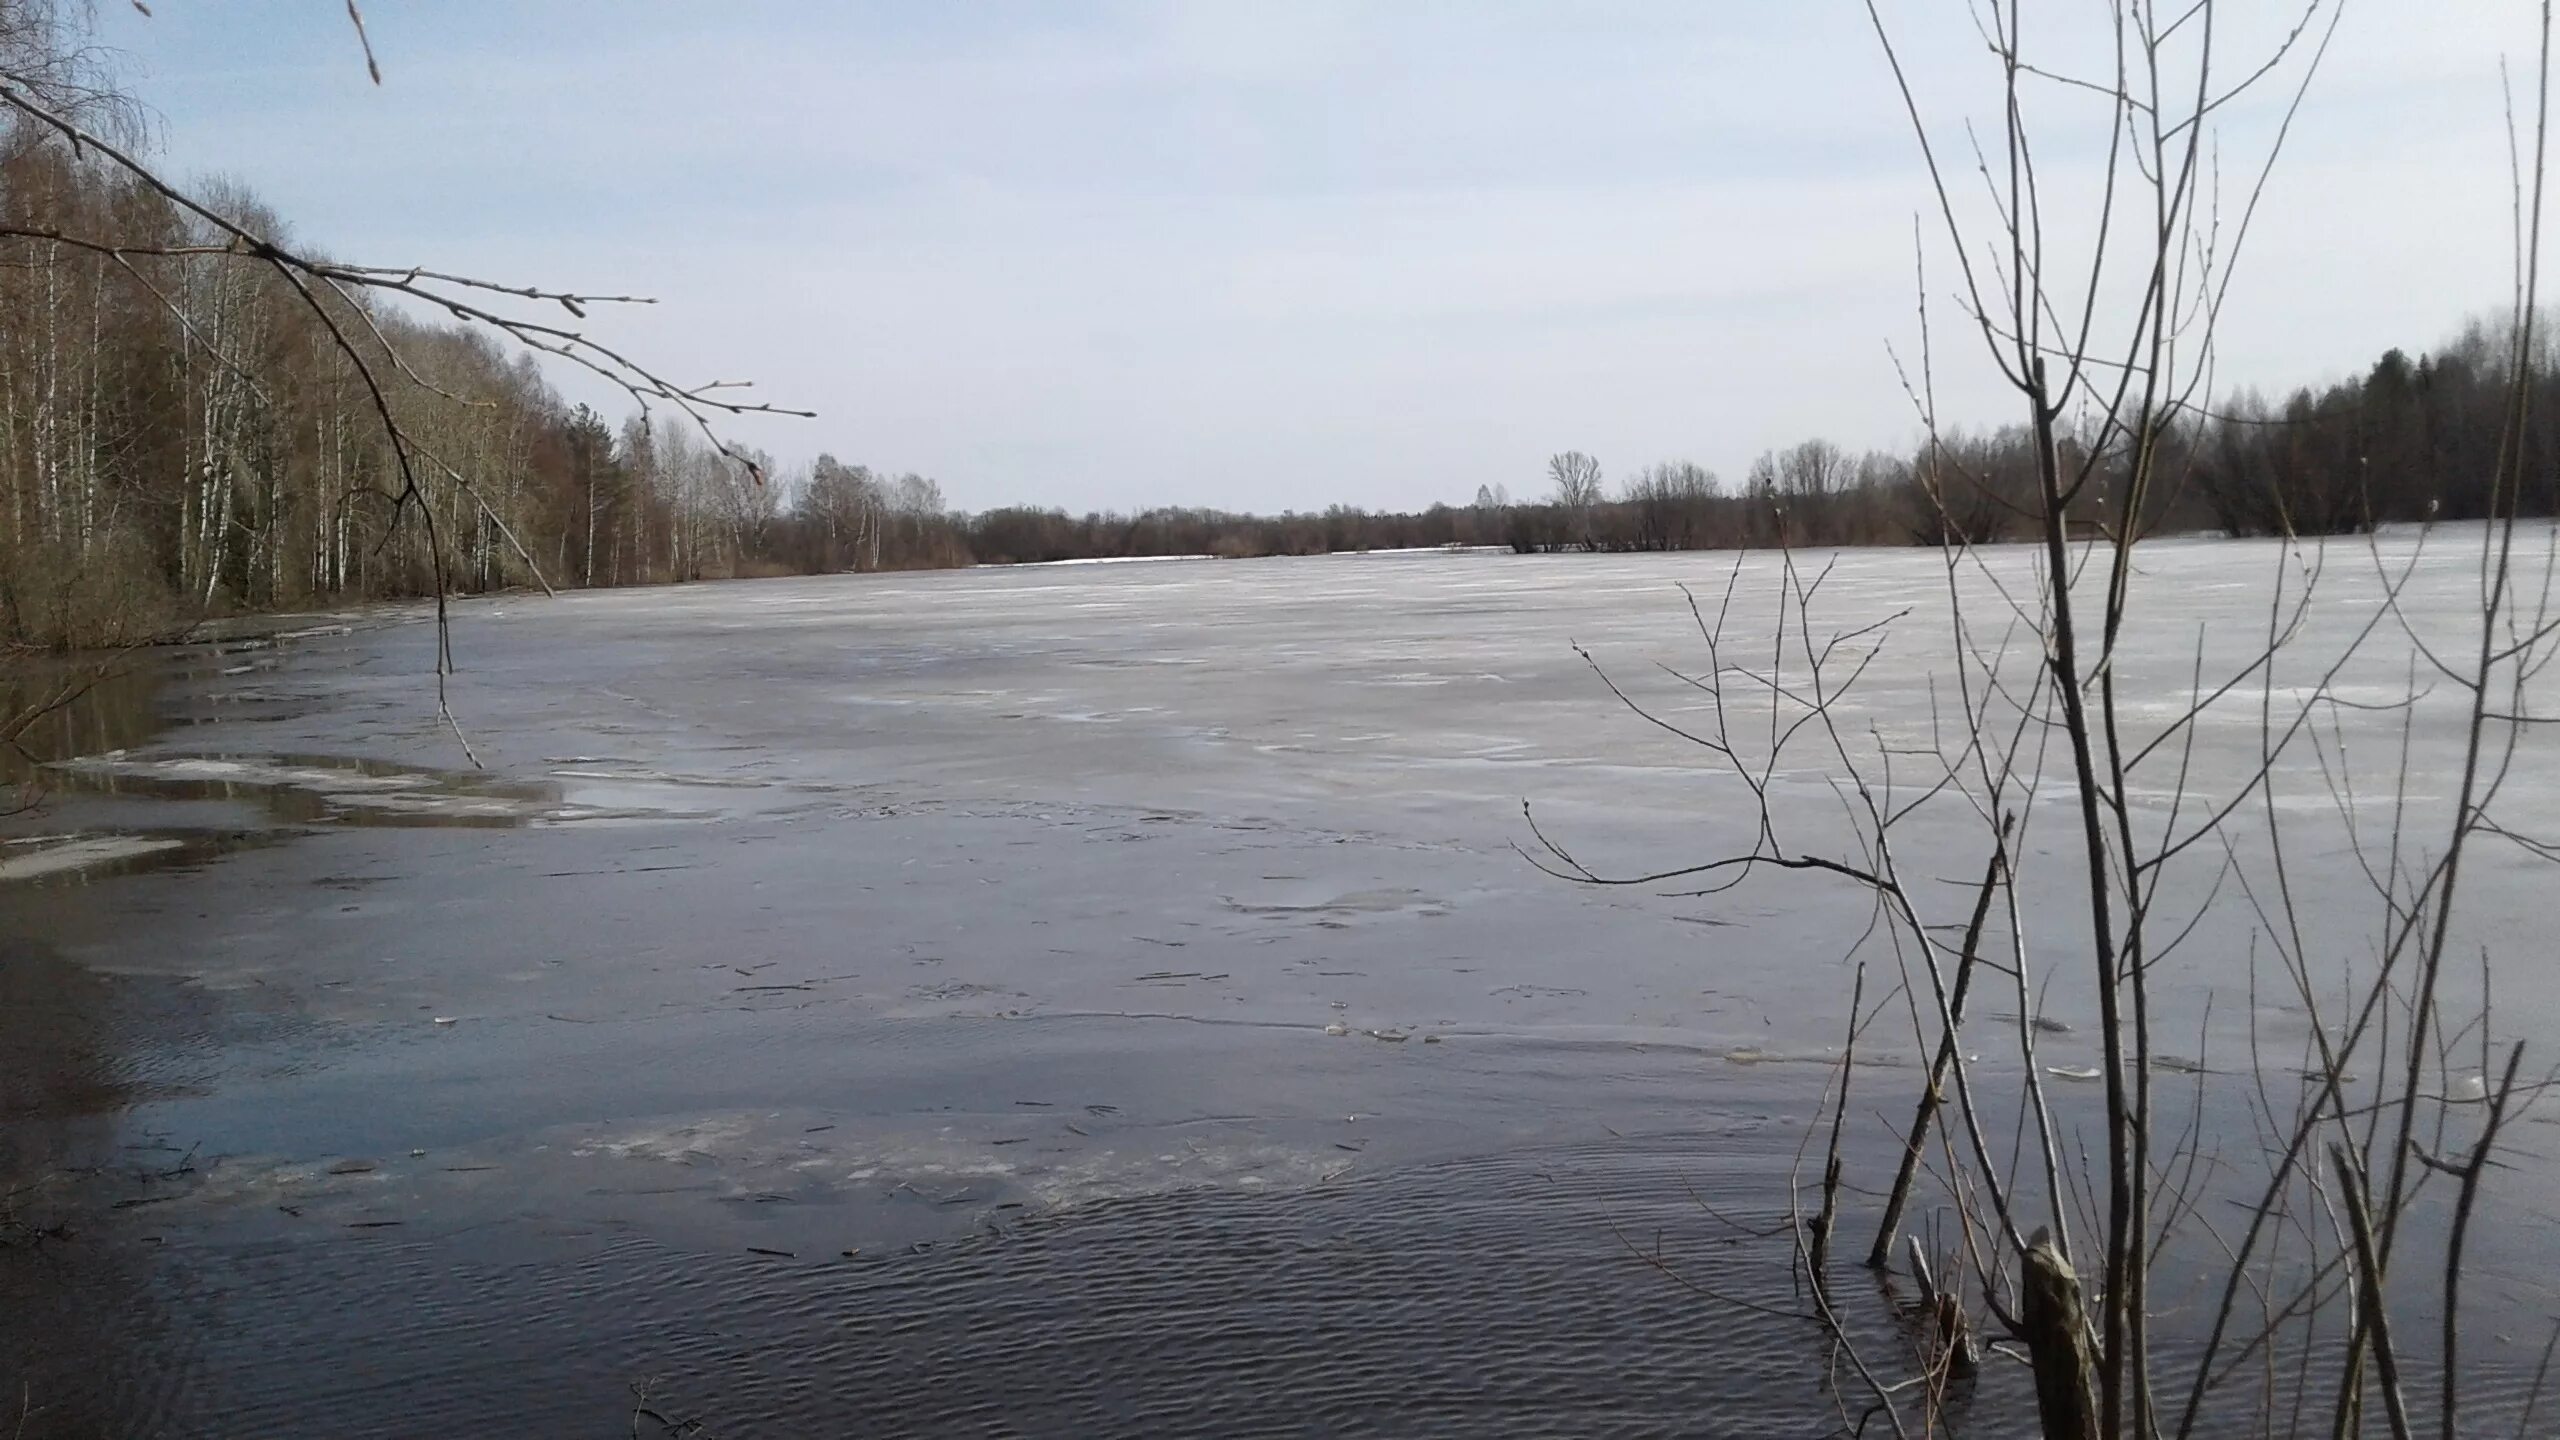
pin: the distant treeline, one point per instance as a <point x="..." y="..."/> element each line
<point x="179" y="436"/>
<point x="2409" y="440"/>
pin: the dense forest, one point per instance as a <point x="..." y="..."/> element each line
<point x="183" y="434"/>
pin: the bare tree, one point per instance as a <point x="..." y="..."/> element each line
<point x="1578" y="491"/>
<point x="1674" y="504"/>
<point x="2237" y="810"/>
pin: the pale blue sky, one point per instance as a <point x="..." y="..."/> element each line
<point x="1282" y="255"/>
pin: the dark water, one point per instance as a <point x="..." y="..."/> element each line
<point x="59" y="707"/>
<point x="144" y="1291"/>
<point x="1474" y="1297"/>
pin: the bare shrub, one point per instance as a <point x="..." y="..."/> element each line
<point x="2309" y="799"/>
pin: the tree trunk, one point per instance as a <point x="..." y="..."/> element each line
<point x="2057" y="1338"/>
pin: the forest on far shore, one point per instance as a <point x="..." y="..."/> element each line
<point x="182" y="436"/>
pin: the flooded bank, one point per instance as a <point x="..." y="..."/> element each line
<point x="63" y="716"/>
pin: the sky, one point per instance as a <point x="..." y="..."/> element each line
<point x="1269" y="256"/>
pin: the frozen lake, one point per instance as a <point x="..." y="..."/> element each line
<point x="1094" y="997"/>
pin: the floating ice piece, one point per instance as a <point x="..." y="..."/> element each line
<point x="60" y="854"/>
<point x="2073" y="1072"/>
<point x="245" y="771"/>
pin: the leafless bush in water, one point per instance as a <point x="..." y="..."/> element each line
<point x="2171" y="1281"/>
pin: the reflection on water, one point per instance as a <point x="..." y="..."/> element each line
<point x="56" y="1061"/>
<point x="54" y="707"/>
